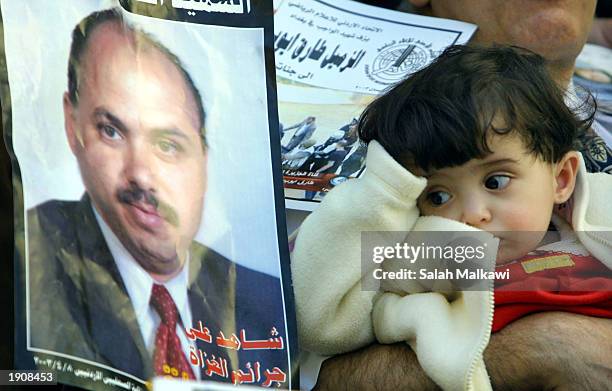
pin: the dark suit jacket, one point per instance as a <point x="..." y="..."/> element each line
<point x="79" y="304"/>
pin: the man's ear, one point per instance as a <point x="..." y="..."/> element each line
<point x="205" y="169"/>
<point x="72" y="134"/>
<point x="565" y="176"/>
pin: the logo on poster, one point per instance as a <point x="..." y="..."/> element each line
<point x="225" y="6"/>
<point x="396" y="60"/>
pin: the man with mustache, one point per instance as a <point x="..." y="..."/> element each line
<point x="116" y="278"/>
<point x="552" y="350"/>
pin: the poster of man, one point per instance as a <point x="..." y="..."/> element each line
<point x="137" y="260"/>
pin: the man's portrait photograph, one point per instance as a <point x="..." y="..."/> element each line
<point x="151" y="238"/>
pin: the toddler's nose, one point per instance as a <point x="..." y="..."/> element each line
<point x="475" y="212"/>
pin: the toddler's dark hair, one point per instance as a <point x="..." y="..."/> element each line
<point x="441" y="115"/>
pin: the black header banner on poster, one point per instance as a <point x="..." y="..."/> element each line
<point x="143" y="134"/>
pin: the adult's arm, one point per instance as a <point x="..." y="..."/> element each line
<point x="552" y="350"/>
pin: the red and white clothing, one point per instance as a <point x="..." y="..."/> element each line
<point x="335" y="315"/>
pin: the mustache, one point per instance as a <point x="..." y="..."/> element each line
<point x="134" y="194"/>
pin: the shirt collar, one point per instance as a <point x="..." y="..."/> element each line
<point x="137" y="281"/>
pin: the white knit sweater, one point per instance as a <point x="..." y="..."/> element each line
<point x="447" y="332"/>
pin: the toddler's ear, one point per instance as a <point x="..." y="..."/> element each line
<point x="565" y="176"/>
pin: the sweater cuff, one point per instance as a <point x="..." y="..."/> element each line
<point x="382" y="167"/>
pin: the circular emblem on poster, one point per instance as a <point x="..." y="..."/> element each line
<point x="396" y="60"/>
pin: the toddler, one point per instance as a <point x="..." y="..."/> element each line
<point x="480" y="140"/>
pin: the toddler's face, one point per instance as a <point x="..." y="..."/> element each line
<point x="509" y="193"/>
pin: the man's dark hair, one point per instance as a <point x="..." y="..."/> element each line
<point x="80" y="39"/>
<point x="442" y="115"/>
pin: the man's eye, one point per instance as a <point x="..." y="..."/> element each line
<point x="168" y="147"/>
<point x="438" y="198"/>
<point x="109" y="132"/>
<point x="497" y="182"/>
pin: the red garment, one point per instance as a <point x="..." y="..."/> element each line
<point x="168" y="358"/>
<point x="583" y="286"/>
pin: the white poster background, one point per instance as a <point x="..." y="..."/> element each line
<point x="227" y="66"/>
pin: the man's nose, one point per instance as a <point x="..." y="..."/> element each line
<point x="139" y="168"/>
<point x="476" y="212"/>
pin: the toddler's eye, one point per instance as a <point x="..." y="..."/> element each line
<point x="438" y="198"/>
<point x="497" y="182"/>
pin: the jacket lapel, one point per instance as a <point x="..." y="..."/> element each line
<point x="212" y="301"/>
<point x="111" y="318"/>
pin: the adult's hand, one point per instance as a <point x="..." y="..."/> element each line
<point x="553" y="351"/>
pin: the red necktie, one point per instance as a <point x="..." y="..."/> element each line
<point x="168" y="358"/>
